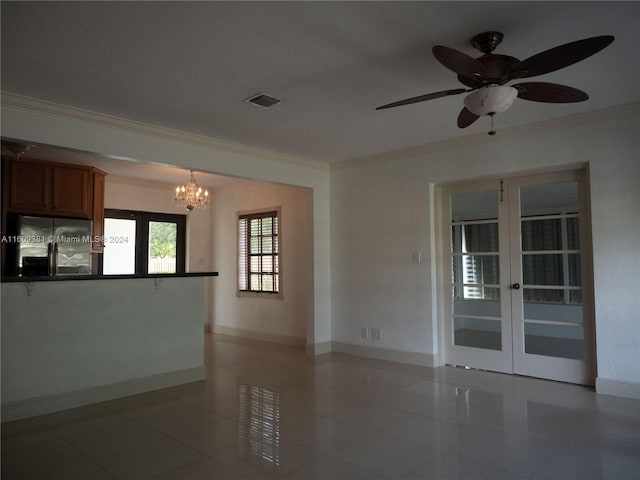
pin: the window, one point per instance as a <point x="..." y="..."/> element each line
<point x="143" y="242"/>
<point x="258" y="252"/>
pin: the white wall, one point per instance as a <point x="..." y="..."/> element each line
<point x="381" y="211"/>
<point x="282" y="319"/>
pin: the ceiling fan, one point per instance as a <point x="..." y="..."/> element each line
<point x="487" y="76"/>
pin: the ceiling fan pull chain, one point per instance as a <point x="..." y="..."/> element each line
<point x="492" y="131"/>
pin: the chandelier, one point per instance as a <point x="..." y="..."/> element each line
<point x="191" y="195"/>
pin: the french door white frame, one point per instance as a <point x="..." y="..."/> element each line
<point x="553" y="368"/>
<point x="494" y="360"/>
<point x="512" y="357"/>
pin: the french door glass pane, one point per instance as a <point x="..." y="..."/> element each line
<point x="559" y="312"/>
<point x="162" y="247"/>
<point x="475" y="238"/>
<point x="549" y="198"/>
<point x="460" y="292"/>
<point x="478" y="333"/>
<point x="551" y="269"/>
<point x="483" y="308"/>
<point x="552" y="295"/>
<point x="550" y="234"/>
<point x="475" y="265"/>
<point x="474" y="206"/>
<point x="554" y="340"/>
<point x="476" y="269"/>
<point x="119" y="247"/>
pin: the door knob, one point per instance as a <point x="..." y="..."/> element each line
<point x="516" y="286"/>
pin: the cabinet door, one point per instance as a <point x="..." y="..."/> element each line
<point x="30" y="190"/>
<point x="72" y="192"/>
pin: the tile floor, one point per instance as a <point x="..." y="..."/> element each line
<point x="268" y="411"/>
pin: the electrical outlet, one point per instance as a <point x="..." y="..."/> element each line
<point x="376" y="334"/>
<point x="364" y="333"/>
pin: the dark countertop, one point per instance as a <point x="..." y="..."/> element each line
<point x="58" y="278"/>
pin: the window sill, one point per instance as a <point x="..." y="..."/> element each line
<point x="261" y="295"/>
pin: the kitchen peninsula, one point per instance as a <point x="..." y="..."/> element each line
<point x="77" y="337"/>
<point x="71" y="341"/>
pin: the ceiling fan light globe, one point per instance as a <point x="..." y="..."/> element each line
<point x="490" y="99"/>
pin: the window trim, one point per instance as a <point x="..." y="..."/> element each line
<point x="142" y="235"/>
<point x="260" y="213"/>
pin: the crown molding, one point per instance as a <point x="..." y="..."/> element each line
<point x="46" y="107"/>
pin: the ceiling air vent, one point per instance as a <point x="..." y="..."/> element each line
<point x="263" y="100"/>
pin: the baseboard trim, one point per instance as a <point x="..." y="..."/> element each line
<point x="257" y="335"/>
<point x="618" y="388"/>
<point x="32" y="407"/>
<point x="317" y="348"/>
<point x="400" y="356"/>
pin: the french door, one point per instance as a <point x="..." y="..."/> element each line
<point x="517" y="274"/>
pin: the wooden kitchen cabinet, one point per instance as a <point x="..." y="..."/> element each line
<point x="72" y="190"/>
<point x="37" y="187"/>
<point x="28" y="185"/>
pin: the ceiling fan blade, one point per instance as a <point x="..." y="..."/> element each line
<point x="459" y="62"/>
<point x="559" y="57"/>
<point x="466" y="118"/>
<point x="423" y="98"/>
<point x="549" y="92"/>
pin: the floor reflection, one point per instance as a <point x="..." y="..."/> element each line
<point x="259" y="426"/>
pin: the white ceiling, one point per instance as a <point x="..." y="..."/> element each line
<point x="190" y="65"/>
